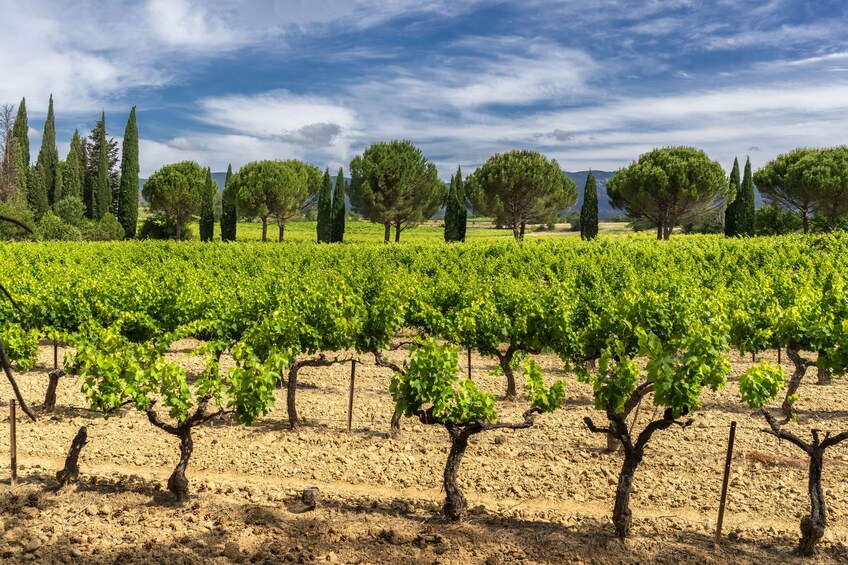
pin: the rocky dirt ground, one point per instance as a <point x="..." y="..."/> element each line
<point x="542" y="495"/>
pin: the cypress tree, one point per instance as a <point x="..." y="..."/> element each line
<point x="589" y="210"/>
<point x="228" y="210"/>
<point x="462" y="202"/>
<point x="37" y="191"/>
<point x="48" y="156"/>
<point x="747" y="206"/>
<point x="450" y="213"/>
<point x="72" y="169"/>
<point x="102" y="189"/>
<point x="338" y="209"/>
<point x="20" y="130"/>
<point x="325" y="219"/>
<point x="128" y="191"/>
<point x="732" y="215"/>
<point x="59" y="182"/>
<point x="456" y="210"/>
<point x="207" y="213"/>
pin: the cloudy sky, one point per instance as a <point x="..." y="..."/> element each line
<point x="592" y="83"/>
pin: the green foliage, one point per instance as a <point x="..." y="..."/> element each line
<point x="228" y="209"/>
<point x="518" y="187"/>
<point x="52" y="227"/>
<point x="207" y="212"/>
<point x="338" y="209"/>
<point x="542" y="397"/>
<point x="615" y="381"/>
<point x="21" y="345"/>
<point x="325" y="228"/>
<point x="761" y="383"/>
<point x="107" y="228"/>
<point x="37" y="191"/>
<point x="669" y="186"/>
<point x="432" y="381"/>
<point x="176" y="191"/>
<point x="771" y="220"/>
<point x="589" y="210"/>
<point x="395" y="185"/>
<point x="71" y="209"/>
<point x="128" y="190"/>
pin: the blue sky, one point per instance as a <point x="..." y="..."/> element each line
<point x="593" y="83"/>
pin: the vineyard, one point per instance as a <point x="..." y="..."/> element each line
<point x="213" y="381"/>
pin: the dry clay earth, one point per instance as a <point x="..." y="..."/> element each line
<point x="541" y="495"/>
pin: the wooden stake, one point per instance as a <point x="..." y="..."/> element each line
<point x="55" y="355"/>
<point x="13" y="443"/>
<point x="469" y="363"/>
<point x="779" y="362"/>
<point x="726" y="479"/>
<point x="350" y="400"/>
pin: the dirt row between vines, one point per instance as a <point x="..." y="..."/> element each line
<point x="542" y="495"/>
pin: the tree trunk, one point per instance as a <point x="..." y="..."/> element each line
<point x="291" y="394"/>
<point x="179" y="233"/>
<point x="813" y="525"/>
<point x="264" y="229"/>
<point x="397" y="232"/>
<point x="387" y="232"/>
<point x="521" y="233"/>
<point x="824" y="376"/>
<point x="515" y="233"/>
<point x="659" y="231"/>
<point x="282" y="232"/>
<point x="667" y="232"/>
<point x="70" y="474"/>
<point x="177" y="482"/>
<point x="805" y="220"/>
<point x="505" y="361"/>
<point x="792" y="387"/>
<point x="622" y="518"/>
<point x="50" y="395"/>
<point x="455" y="504"/>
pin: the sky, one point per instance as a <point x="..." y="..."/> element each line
<point x="592" y="83"/>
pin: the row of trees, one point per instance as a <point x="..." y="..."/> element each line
<point x="87" y="185"/>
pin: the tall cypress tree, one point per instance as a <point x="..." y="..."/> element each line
<point x="338" y="208"/>
<point x="732" y="215"/>
<point x="462" y="203"/>
<point x="48" y="156"/>
<point x="207" y="212"/>
<point x="37" y="191"/>
<point x="20" y="130"/>
<point x="71" y="170"/>
<point x="747" y="206"/>
<point x="456" y="209"/>
<point x="128" y="191"/>
<point x="103" y="191"/>
<point x="450" y="213"/>
<point x="589" y="210"/>
<point x="325" y="218"/>
<point x="228" y="210"/>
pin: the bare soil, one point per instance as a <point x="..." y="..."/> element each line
<point x="542" y="495"/>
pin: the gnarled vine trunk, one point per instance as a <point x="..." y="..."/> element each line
<point x="622" y="518"/>
<point x="52" y="385"/>
<point x="801" y="364"/>
<point x="177" y="482"/>
<point x="824" y="376"/>
<point x="813" y="525"/>
<point x="70" y="473"/>
<point x="455" y="506"/>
